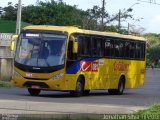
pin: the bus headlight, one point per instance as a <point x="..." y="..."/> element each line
<point x="57" y="76"/>
<point x="17" y="74"/>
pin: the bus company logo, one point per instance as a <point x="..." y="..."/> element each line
<point x="120" y="66"/>
<point x="94" y="66"/>
<point x="85" y="66"/>
<point x="89" y="66"/>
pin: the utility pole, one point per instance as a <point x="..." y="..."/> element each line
<point x="19" y="14"/>
<point x="103" y="13"/>
<point x="128" y="28"/>
<point x="119" y="20"/>
<point x="130" y="25"/>
<point x="119" y="16"/>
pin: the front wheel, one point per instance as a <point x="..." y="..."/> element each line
<point x="120" y="89"/>
<point x="79" y="88"/>
<point x="34" y="92"/>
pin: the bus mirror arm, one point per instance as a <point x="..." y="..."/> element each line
<point x="75" y="44"/>
<point x="75" y="47"/>
<point x="14" y="38"/>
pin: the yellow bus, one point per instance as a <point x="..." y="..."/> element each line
<point x="77" y="61"/>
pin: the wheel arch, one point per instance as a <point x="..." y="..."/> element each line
<point x="123" y="77"/>
<point x="82" y="79"/>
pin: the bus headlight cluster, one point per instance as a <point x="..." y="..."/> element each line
<point x="17" y="74"/>
<point x="58" y="76"/>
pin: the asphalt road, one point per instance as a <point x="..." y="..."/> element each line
<point x="18" y="101"/>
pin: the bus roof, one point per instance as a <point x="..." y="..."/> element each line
<point x="72" y="29"/>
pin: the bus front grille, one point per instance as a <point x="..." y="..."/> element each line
<point x="35" y="78"/>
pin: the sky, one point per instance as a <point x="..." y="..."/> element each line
<point x="149" y="12"/>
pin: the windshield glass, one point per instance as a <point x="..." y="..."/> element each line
<point x="41" y="49"/>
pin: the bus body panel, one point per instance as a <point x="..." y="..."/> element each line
<point x="107" y="76"/>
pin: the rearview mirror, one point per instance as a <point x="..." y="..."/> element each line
<point x="75" y="44"/>
<point x="13" y="42"/>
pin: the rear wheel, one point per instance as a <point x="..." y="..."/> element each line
<point x="79" y="88"/>
<point x="120" y="89"/>
<point x="34" y="92"/>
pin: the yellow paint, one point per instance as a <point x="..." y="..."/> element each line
<point x="75" y="44"/>
<point x="14" y="38"/>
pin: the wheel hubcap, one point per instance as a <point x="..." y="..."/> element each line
<point x="79" y="88"/>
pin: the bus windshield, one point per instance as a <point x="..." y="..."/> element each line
<point x="41" y="49"/>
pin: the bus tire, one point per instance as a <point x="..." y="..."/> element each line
<point x="34" y="92"/>
<point x="86" y="92"/>
<point x="79" y="88"/>
<point x="120" y="89"/>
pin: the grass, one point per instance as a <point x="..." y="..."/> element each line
<point x="5" y="84"/>
<point x="62" y="118"/>
<point x="7" y="26"/>
<point x="152" y="113"/>
<point x="155" y="109"/>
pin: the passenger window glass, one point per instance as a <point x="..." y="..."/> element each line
<point x="121" y="49"/>
<point x="127" y="49"/>
<point x="117" y="48"/>
<point x="132" y="50"/>
<point x="84" y="45"/>
<point x="87" y="46"/>
<point x="142" y="54"/>
<point x="80" y="45"/>
<point x="95" y="46"/>
<point x="100" y="47"/>
<point x="109" y="48"/>
<point x="138" y="50"/>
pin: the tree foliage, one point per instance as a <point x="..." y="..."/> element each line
<point x="59" y="13"/>
<point x="10" y="12"/>
<point x="52" y="13"/>
<point x="153" y="50"/>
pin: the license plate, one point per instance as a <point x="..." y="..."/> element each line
<point x="35" y="87"/>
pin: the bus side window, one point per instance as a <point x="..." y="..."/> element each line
<point x="102" y="47"/>
<point x="109" y="48"/>
<point x="127" y="49"/>
<point x="80" y="45"/>
<point x="97" y="47"/>
<point x="94" y="46"/>
<point x="121" y="49"/>
<point x="142" y="47"/>
<point x="100" y="50"/>
<point x="84" y="46"/>
<point x="117" y="48"/>
<point x="87" y="46"/>
<point x="70" y="49"/>
<point x="144" y="52"/>
<point x="138" y="50"/>
<point x="132" y="50"/>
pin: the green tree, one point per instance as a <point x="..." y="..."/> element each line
<point x="95" y="15"/>
<point x="9" y="12"/>
<point x="59" y="13"/>
<point x="153" y="48"/>
<point x="53" y="13"/>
